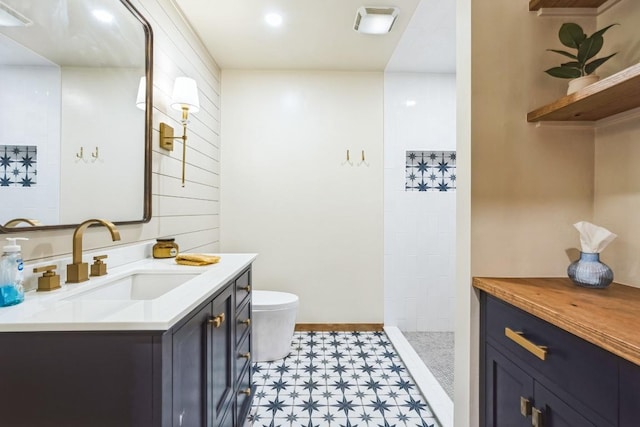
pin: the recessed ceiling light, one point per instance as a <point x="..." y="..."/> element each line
<point x="273" y="19"/>
<point x="12" y="18"/>
<point x="375" y="20"/>
<point x="102" y="15"/>
<point x="410" y="103"/>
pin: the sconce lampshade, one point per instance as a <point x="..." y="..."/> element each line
<point x="141" y="99"/>
<point x="185" y="94"/>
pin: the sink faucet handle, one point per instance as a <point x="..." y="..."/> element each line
<point x="99" y="268"/>
<point x="49" y="280"/>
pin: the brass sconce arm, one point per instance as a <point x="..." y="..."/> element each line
<point x="184" y="98"/>
<point x="166" y="138"/>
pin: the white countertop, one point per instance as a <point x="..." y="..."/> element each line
<point x="56" y="311"/>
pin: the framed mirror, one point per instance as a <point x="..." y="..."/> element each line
<point x="75" y="113"/>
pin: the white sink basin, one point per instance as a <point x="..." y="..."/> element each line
<point x="136" y="286"/>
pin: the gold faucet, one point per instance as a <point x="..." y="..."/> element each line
<point x="79" y="271"/>
<point x="16" y="221"/>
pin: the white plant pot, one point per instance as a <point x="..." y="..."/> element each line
<point x="581" y="82"/>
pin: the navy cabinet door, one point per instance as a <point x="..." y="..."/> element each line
<point x="505" y="385"/>
<point x="189" y="371"/>
<point x="221" y="369"/>
<point x="629" y="394"/>
<point x="556" y="413"/>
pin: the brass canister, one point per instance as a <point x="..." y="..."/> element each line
<point x="165" y="248"/>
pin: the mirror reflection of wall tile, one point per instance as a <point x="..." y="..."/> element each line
<point x="18" y="165"/>
<point x="430" y="171"/>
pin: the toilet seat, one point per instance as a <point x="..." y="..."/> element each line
<point x="272" y="300"/>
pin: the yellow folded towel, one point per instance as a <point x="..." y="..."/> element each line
<point x="197" y="259"/>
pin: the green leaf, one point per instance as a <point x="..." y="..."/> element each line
<point x="562" y="52"/>
<point x="591" y="67"/>
<point x="590" y="48"/>
<point x="601" y="32"/>
<point x="564" y="72"/>
<point x="571" y="35"/>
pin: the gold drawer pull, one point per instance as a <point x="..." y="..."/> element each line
<point x="246" y="355"/>
<point x="246" y="322"/>
<point x="536" y="418"/>
<point x="217" y="320"/>
<point x="246" y="391"/>
<point x="539" y="351"/>
<point x="246" y="288"/>
<point x="525" y="407"/>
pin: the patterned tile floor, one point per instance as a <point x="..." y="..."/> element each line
<point x="342" y="379"/>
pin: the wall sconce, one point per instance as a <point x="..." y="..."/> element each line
<point x="185" y="99"/>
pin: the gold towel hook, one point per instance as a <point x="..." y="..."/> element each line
<point x="96" y="154"/>
<point x="81" y="153"/>
<point x="348" y="160"/>
<point x="363" y="159"/>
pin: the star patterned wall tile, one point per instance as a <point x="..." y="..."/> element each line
<point x="18" y="165"/>
<point x="342" y="379"/>
<point x="430" y="171"/>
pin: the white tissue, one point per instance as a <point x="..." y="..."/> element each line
<point x="593" y="239"/>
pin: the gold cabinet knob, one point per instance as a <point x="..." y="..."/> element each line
<point x="246" y="288"/>
<point x="246" y="322"/>
<point x="217" y="321"/>
<point x="246" y="391"/>
<point x="246" y="355"/>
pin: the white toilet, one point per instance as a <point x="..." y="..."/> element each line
<point x="273" y="321"/>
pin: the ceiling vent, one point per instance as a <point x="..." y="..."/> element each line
<point x="375" y="20"/>
<point x="12" y="18"/>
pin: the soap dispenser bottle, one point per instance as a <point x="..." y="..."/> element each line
<point x="11" y="275"/>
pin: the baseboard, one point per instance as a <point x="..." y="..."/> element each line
<point x="326" y="327"/>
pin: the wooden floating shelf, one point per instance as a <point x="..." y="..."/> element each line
<point x="537" y="4"/>
<point x="615" y="94"/>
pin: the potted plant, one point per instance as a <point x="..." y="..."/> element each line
<point x="579" y="69"/>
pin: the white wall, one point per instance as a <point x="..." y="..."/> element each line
<point x="190" y="213"/>
<point x="288" y="194"/>
<point x="419" y="227"/>
<point x="120" y="153"/>
<point x="29" y="111"/>
<point x="617" y="176"/>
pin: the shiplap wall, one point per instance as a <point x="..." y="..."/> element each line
<point x="190" y="214"/>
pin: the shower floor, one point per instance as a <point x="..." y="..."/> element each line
<point x="436" y="349"/>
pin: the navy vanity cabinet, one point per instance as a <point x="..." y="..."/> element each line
<point x="206" y="377"/>
<point x="187" y="376"/>
<point x="202" y="372"/>
<point x="242" y="359"/>
<point x="576" y="385"/>
<point x="189" y="363"/>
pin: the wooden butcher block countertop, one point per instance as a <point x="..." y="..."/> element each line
<point x="608" y="318"/>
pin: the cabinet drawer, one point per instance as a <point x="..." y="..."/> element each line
<point x="243" y="355"/>
<point x="243" y="287"/>
<point x="244" y="396"/>
<point x="243" y="321"/>
<point x="582" y="373"/>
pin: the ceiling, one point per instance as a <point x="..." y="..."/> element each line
<point x="65" y="32"/>
<point x="319" y="35"/>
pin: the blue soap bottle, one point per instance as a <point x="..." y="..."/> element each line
<point x="11" y="274"/>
